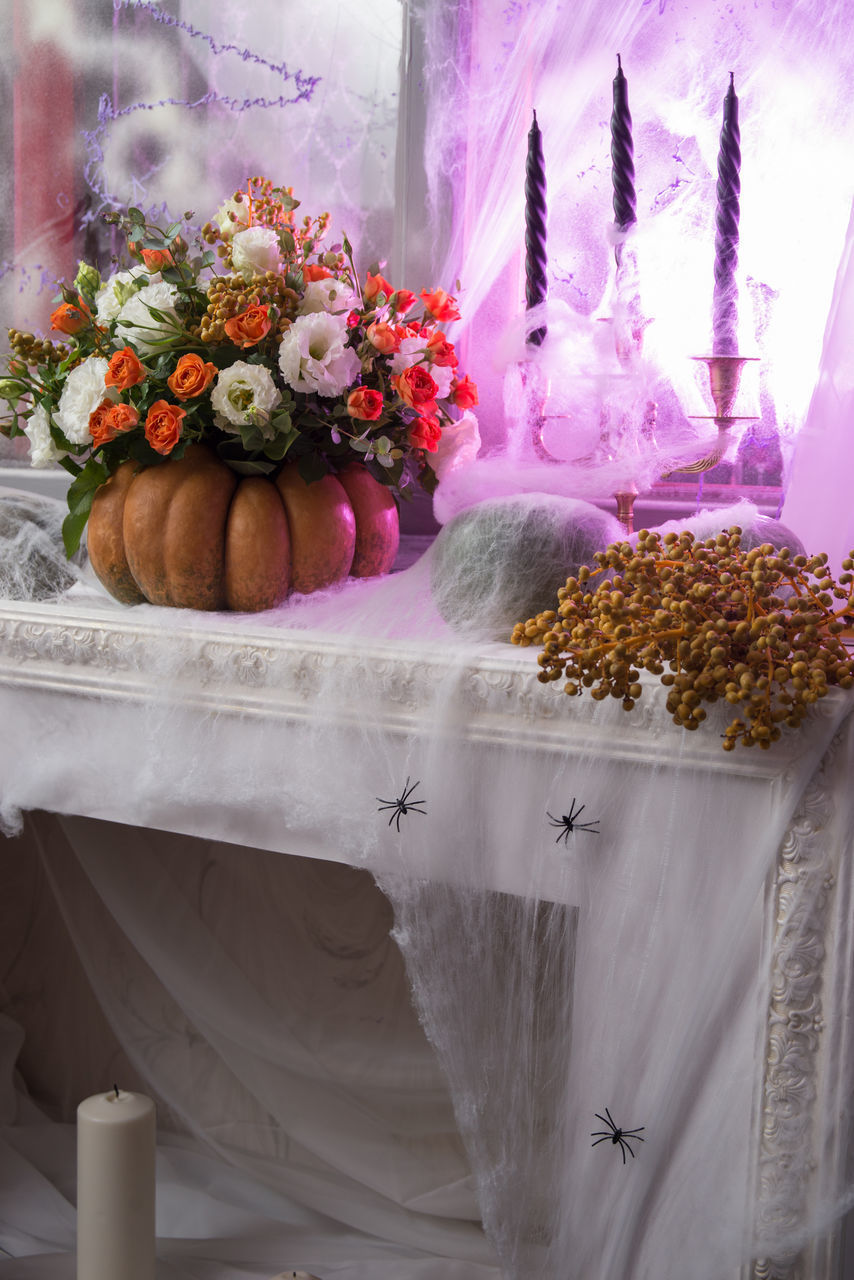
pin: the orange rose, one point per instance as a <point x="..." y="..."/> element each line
<point x="425" y="433"/>
<point x="249" y="327"/>
<point x="122" y="417"/>
<point x="365" y="403"/>
<point x="464" y="393"/>
<point x="403" y="301"/>
<point x="383" y="337"/>
<point x="163" y="425"/>
<point x="441" y="351"/>
<point x="125" y="370"/>
<point x="192" y="375"/>
<point x="440" y="305"/>
<point x="314" y="271"/>
<point x="157" y="259"/>
<point x="415" y="387"/>
<point x="376" y="285"/>
<point x="70" y="317"/>
<point x="99" y="423"/>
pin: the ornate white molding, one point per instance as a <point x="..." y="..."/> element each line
<point x="252" y="668"/>
<point x="789" y="1156"/>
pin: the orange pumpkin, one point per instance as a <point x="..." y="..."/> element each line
<point x="192" y="534"/>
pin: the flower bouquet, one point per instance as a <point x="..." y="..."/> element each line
<point x="258" y="359"/>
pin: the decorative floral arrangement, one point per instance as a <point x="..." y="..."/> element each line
<point x="262" y="344"/>
<point x="755" y="628"/>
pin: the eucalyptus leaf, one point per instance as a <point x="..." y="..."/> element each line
<point x="250" y="466"/>
<point x="277" y="448"/>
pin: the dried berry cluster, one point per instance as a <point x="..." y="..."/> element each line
<point x="757" y="628"/>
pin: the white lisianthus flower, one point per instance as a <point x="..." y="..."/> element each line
<point x="83" y="391"/>
<point x="458" y="445"/>
<point x="42" y="449"/>
<point x="112" y="296"/>
<point x="313" y="357"/>
<point x="255" y="251"/>
<point x="137" y="326"/>
<point x="243" y="394"/>
<point x="411" y="352"/>
<point x="231" y="217"/>
<point x="327" y="295"/>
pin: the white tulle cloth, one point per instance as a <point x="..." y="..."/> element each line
<point x="681" y="962"/>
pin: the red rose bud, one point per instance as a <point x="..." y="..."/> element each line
<point x="440" y="305"/>
<point x="365" y="403"/>
<point x="464" y="393"/>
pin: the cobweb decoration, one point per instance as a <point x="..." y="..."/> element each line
<point x="301" y="88"/>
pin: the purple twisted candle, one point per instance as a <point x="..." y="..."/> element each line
<point x="725" y="300"/>
<point x="536" y="260"/>
<point x="622" y="154"/>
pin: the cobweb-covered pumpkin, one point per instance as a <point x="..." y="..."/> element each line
<point x="503" y="560"/>
<point x="192" y="534"/>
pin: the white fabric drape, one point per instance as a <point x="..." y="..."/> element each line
<point x="629" y="968"/>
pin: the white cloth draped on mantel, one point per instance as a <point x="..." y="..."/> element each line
<point x="635" y="966"/>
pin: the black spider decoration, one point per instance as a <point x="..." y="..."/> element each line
<point x="568" y="822"/>
<point x="402" y="805"/>
<point x="619" y="1137"/>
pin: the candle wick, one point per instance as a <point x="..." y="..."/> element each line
<point x="619" y="63"/>
<point x="732" y="79"/>
<point x="116" y="1087"/>
<point x="535" y="115"/>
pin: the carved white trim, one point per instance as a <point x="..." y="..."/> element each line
<point x="254" y="668"/>
<point x="802" y="910"/>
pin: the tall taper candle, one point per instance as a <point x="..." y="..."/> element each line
<point x="725" y="302"/>
<point x="115" y="1187"/>
<point x="536" y="260"/>
<point x="622" y="154"/>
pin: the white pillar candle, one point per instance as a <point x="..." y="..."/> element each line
<point x="115" y="1187"/>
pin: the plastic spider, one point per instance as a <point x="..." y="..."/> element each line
<point x="616" y="1136"/>
<point x="569" y="822"/>
<point x="402" y="805"/>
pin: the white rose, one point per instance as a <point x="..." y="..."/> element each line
<point x="243" y="394"/>
<point x="255" y="251"/>
<point x="313" y="357"/>
<point x="458" y="445"/>
<point x="42" y="449"/>
<point x="231" y="217"/>
<point x="110" y="299"/>
<point x="137" y="326"/>
<point x="83" y="391"/>
<point x="327" y="295"/>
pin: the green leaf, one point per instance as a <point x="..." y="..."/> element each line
<point x="81" y="491"/>
<point x="68" y="463"/>
<point x="136" y="215"/>
<point x="276" y="449"/>
<point x="312" y="467"/>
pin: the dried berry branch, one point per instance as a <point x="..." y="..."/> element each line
<point x="757" y="628"/>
